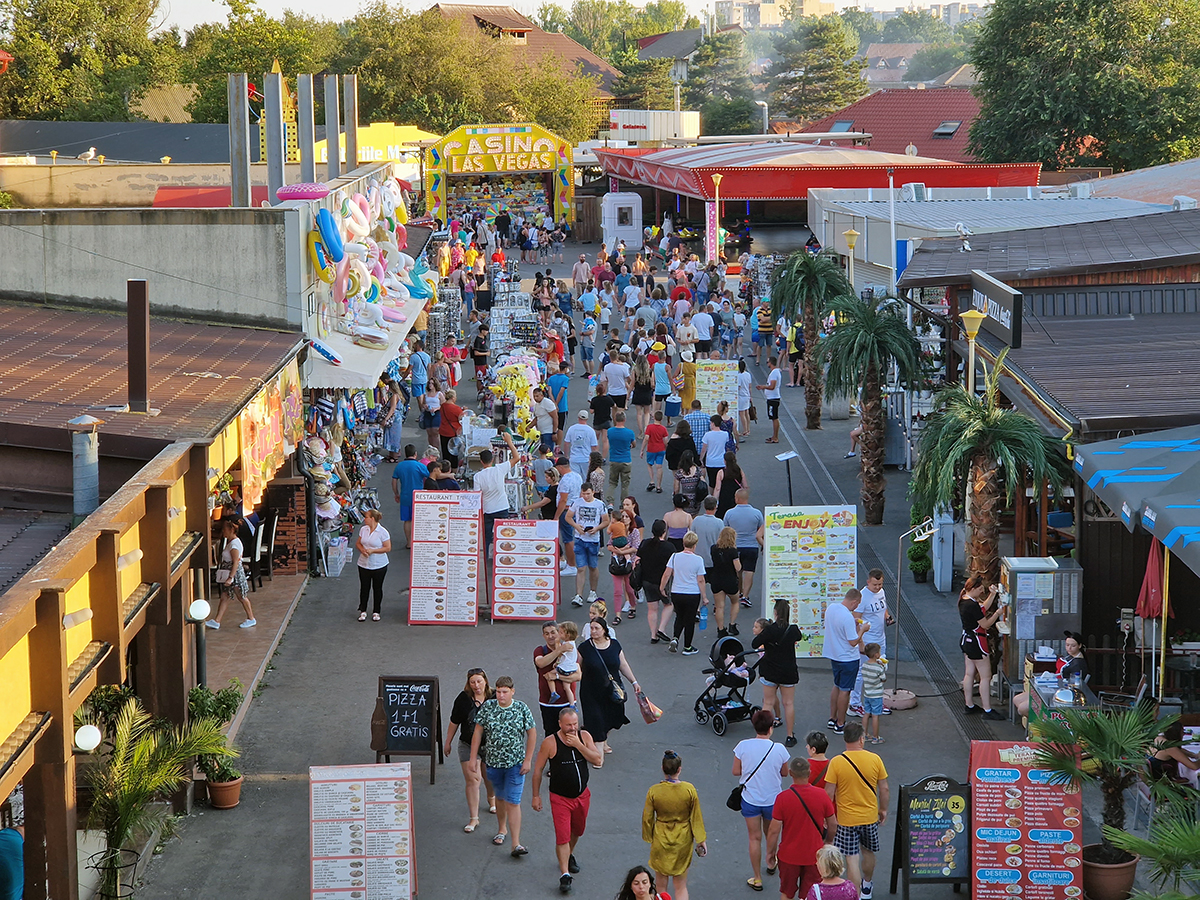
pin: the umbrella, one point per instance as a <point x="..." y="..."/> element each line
<point x="1174" y="519"/>
<point x="1149" y="605"/>
<point x="1125" y="473"/>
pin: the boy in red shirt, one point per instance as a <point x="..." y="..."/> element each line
<point x="654" y="448"/>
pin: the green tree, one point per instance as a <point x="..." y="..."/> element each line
<point x="868" y="340"/>
<point x="803" y="289"/>
<point x="739" y="116"/>
<point x="815" y="71"/>
<point x="646" y="85"/>
<point x="992" y="448"/>
<point x="936" y="59"/>
<point x="541" y="93"/>
<point x="552" y="17"/>
<point x="718" y="71"/>
<point x="865" y="28"/>
<point x="80" y="59"/>
<point x="915" y="26"/>
<point x="1099" y="82"/>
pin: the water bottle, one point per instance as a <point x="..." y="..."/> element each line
<point x="704" y="618"/>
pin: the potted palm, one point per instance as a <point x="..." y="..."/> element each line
<point x="223" y="781"/>
<point x="145" y="761"/>
<point x="869" y="340"/>
<point x="1171" y="845"/>
<point x="1108" y="750"/>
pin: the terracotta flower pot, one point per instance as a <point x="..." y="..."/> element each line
<point x="227" y="794"/>
<point x="1108" y="881"/>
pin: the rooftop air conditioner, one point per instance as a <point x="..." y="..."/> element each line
<point x="914" y="190"/>
<point x="1181" y="201"/>
<point x="1080" y="190"/>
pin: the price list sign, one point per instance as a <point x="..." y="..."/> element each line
<point x="447" y="539"/>
<point x="361" y="832"/>
<point x="933" y="834"/>
<point x="1027" y="834"/>
<point x="525" y="570"/>
<point x="716" y="380"/>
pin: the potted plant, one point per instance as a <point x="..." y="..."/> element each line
<point x="919" y="560"/>
<point x="145" y="761"/>
<point x="224" y="782"/>
<point x="1171" y="845"/>
<point x="1107" y="749"/>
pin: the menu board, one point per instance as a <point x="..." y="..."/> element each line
<point x="716" y="380"/>
<point x="1027" y="833"/>
<point x="525" y="570"/>
<point x="447" y="539"/>
<point x="361" y="832"/>
<point x="933" y="833"/>
<point x="811" y="553"/>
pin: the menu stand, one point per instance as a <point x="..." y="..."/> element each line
<point x="933" y="834"/>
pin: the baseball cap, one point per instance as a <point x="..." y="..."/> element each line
<point x="583" y="414"/>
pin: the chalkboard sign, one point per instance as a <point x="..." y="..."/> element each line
<point x="933" y="833"/>
<point x="408" y="719"/>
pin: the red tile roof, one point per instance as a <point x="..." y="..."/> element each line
<point x="896" y="118"/>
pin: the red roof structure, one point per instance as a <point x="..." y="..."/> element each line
<point x="785" y="170"/>
<point x="937" y="121"/>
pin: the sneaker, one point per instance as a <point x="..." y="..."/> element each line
<point x="577" y="601"/>
<point x="887" y="711"/>
<point x="249" y="623"/>
<point x="215" y="626"/>
<point x="572" y="866"/>
<point x="663" y="637"/>
<point x="555" y="696"/>
<point x="722" y="632"/>
<point x="832" y="723"/>
<point x="591" y="597"/>
<point x="690" y="651"/>
<point x="867" y="888"/>
<point x="994" y="715"/>
<point x="733" y="629"/>
<point x="564" y="884"/>
<point x="790" y="741"/>
<point x="673" y="646"/>
<point x="839" y="729"/>
<point x="971" y="710"/>
<point x="857" y="711"/>
<point x="778" y="721"/>
<point x="650" y="489"/>
<point x="568" y="572"/>
<point x="850" y="455"/>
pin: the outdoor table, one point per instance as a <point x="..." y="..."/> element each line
<point x="1187" y="670"/>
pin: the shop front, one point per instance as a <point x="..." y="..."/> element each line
<point x="486" y="169"/>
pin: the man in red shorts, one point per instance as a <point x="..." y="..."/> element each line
<point x="802" y="821"/>
<point x="568" y="751"/>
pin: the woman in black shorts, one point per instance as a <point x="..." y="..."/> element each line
<point x="653" y="555"/>
<point x="978" y="613"/>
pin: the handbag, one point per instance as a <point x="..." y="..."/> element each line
<point x="616" y="692"/>
<point x="650" y="712"/>
<point x="224" y="573"/>
<point x="635" y="576"/>
<point x="734" y="801"/>
<point x="753" y="413"/>
<point x="620" y="566"/>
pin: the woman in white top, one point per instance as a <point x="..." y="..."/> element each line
<point x="759" y="764"/>
<point x="374" y="543"/>
<point x="687" y="589"/>
<point x="431" y="411"/>
<point x="231" y="576"/>
<point x="744" y="382"/>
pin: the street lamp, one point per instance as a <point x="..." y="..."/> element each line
<point x="766" y="115"/>
<point x="713" y="251"/>
<point x="919" y="534"/>
<point x="972" y="319"/>
<point x="851" y="237"/>
<point x="197" y="612"/>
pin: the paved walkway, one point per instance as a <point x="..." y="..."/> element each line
<point x="316" y="710"/>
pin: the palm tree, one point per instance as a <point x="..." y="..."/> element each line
<point x="804" y="286"/>
<point x="868" y="339"/>
<point x="993" y="448"/>
<point x="146" y="763"/>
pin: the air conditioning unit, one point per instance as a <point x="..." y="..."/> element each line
<point x="1080" y="190"/>
<point x="1181" y="201"/>
<point x="914" y="190"/>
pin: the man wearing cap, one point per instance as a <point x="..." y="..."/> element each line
<point x="569" y="483"/>
<point x="580" y="441"/>
<point x="580" y="273"/>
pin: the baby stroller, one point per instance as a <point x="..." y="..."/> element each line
<point x="731" y="674"/>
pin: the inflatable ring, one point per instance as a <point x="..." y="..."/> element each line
<point x="331" y="237"/>
<point x="372" y="294"/>
<point x="354" y="285"/>
<point x="328" y="352"/>
<point x="303" y="191"/>
<point x="320" y="258"/>
<point x="394" y="314"/>
<point x="354" y="220"/>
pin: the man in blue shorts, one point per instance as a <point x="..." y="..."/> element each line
<point x="506" y="723"/>
<point x="843" y="644"/>
<point x="419" y="363"/>
<point x="748" y="522"/>
<point x="558" y="384"/>
<point x="409" y="475"/>
<point x="570" y="483"/>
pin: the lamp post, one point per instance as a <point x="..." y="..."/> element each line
<point x="920" y="534"/>
<point x="851" y="237"/>
<point x="714" y="251"/>
<point x="972" y="319"/>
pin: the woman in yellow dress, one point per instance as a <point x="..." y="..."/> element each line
<point x="687" y="371"/>
<point x="672" y="825"/>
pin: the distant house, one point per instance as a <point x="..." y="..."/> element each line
<point x="963" y="76"/>
<point x="887" y="64"/>
<point x="934" y="121"/>
<point x="505" y="22"/>
<point x="678" y="46"/>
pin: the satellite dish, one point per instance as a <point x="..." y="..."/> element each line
<point x="911" y="149"/>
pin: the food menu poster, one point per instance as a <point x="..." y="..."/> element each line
<point x="447" y="539"/>
<point x="361" y="832"/>
<point x="716" y="380"/>
<point x="1027" y="833"/>
<point x="810" y="562"/>
<point x="937" y="830"/>
<point x="525" y="570"/>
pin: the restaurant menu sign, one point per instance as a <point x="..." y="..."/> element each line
<point x="811" y="562"/>
<point x="525" y="570"/>
<point x="1027" y="835"/>
<point x="447" y="539"/>
<point x="361" y="832"/>
<point x="716" y="380"/>
<point x="933" y="834"/>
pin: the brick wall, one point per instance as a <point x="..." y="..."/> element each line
<point x="291" y="537"/>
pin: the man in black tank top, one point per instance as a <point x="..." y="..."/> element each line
<point x="568" y="752"/>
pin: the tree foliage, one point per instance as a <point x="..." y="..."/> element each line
<point x="646" y="84"/>
<point x="936" y="59"/>
<point x="720" y="70"/>
<point x="1086" y="83"/>
<point x="610" y="28"/>
<point x="815" y="71"/>
<point x="740" y="116"/>
<point x="915" y="26"/>
<point x="862" y="25"/>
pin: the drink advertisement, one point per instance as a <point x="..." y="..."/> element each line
<point x="810" y="562"/>
<point x="447" y="539"/>
<point x="1027" y="834"/>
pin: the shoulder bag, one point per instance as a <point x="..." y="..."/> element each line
<point x="860" y="774"/>
<point x="734" y="801"/>
<point x="620" y="565"/>
<point x="811" y="817"/>
<point x="616" y="692"/>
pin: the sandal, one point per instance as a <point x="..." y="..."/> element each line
<point x="374" y="617"/>
<point x="362" y="617"/>
<point x="770" y="441"/>
<point x="755" y="883"/>
<point x="499" y="839"/>
<point x="472" y="825"/>
<point x="632" y="614"/>
<point x="492" y="807"/>
<point x="616" y="620"/>
<point x="771" y="869"/>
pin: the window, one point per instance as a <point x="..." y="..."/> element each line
<point x="946" y="129"/>
<point x="842" y="125"/>
<point x="624" y="216"/>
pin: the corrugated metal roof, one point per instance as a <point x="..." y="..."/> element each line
<point x="781" y="153"/>
<point x="58" y="363"/>
<point x="1006" y="214"/>
<point x="1138" y="242"/>
<point x="1158" y="184"/>
<point x="25" y="537"/>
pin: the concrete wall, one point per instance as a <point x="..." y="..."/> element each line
<point x="221" y="265"/>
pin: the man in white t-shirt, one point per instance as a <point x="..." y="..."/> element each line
<point x="843" y="644"/>
<point x="616" y="377"/>
<point x="589" y="517"/>
<point x="581" y="441"/>
<point x="774" y="383"/>
<point x="569" y="484"/>
<point x="703" y="323"/>
<point x="580" y="273"/>
<point x="875" y="611"/>
<point x="493" y="495"/>
<point x="686" y="334"/>
<point x="545" y="414"/>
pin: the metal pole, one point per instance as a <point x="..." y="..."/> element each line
<point x="971" y="365"/>
<point x="237" y="90"/>
<point x="273" y="116"/>
<point x="333" y="129"/>
<point x="350" y="119"/>
<point x="892" y="216"/>
<point x="305" y="128"/>
<point x="788" y="465"/>
<point x="899" y="603"/>
<point x="199" y="581"/>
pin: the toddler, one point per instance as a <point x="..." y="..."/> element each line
<point x="568" y="664"/>
<point x="874" y="673"/>
<point x="832" y="886"/>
